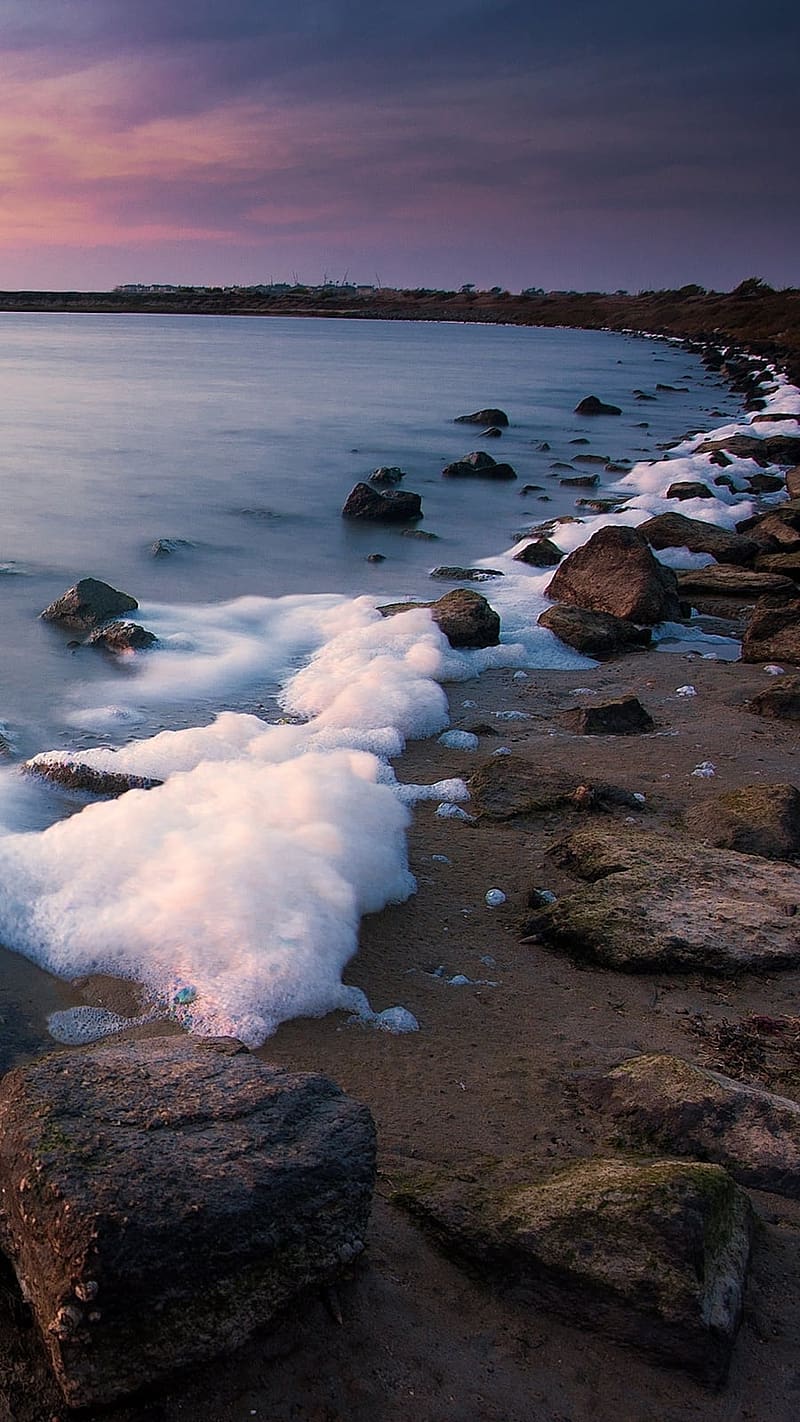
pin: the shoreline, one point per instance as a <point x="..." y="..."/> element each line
<point x="493" y="1072"/>
<point x="752" y="317"/>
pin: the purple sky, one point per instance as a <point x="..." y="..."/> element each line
<point x="592" y="144"/>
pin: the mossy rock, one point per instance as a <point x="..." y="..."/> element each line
<point x="656" y="904"/>
<point x="652" y="1254"/>
<point x="661" y="1102"/>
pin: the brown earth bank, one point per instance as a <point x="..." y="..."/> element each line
<point x="497" y="1070"/>
<point x="752" y="315"/>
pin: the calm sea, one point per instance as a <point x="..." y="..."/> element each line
<point x="239" y="439"/>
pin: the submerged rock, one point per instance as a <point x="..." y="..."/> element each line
<point x="483" y="417"/>
<point x="478" y="465"/>
<point x="655" y="904"/>
<point x="185" y="1191"/>
<point x="596" y="634"/>
<point x="651" y="1254"/>
<point x="61" y="769"/>
<point x="662" y="1103"/>
<point x="388" y="474"/>
<point x="616" y="572"/>
<point x="466" y="575"/>
<point x="394" y="506"/>
<point x="592" y="405"/>
<point x="121" y="637"/>
<point x="88" y="604"/>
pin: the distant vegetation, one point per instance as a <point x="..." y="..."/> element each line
<point x="752" y="315"/>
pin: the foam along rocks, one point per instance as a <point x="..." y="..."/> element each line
<point x="77" y="1026"/>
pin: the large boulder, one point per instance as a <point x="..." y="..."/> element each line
<point x="164" y="1198"/>
<point x="507" y="786"/>
<point x="651" y="1254"/>
<point x="674" y="530"/>
<point x="756" y="819"/>
<point x="654" y="904"/>
<point x="393" y="506"/>
<point x="616" y="572"/>
<point x="88" y="604"/>
<point x="773" y="630"/>
<point x="793" y="482"/>
<point x="592" y="405"/>
<point x="464" y="616"/>
<point x="596" y="634"/>
<point x="483" y="417"/>
<point x="662" y="1103"/>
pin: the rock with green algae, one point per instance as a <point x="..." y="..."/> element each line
<point x="661" y="1102"/>
<point x="162" y="1199"/>
<point x="756" y="819"/>
<point x="651" y="1254"/>
<point x="654" y="903"/>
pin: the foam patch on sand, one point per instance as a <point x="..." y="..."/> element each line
<point x="234" y="890"/>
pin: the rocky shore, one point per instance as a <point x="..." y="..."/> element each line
<point x="587" y="1158"/>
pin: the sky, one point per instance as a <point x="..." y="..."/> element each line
<point x="586" y="144"/>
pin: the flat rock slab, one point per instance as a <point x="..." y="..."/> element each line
<point x="654" y="1255"/>
<point x="729" y="581"/>
<point x="163" y="1199"/>
<point x="662" y="1103"/>
<point x="624" y="716"/>
<point x="780" y="702"/>
<point x="755" y="819"/>
<point x="655" y="904"/>
<point x="508" y="785"/>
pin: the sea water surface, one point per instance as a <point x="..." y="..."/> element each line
<point x="234" y="890"/>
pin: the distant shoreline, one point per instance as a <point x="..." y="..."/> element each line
<point x="767" y="322"/>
